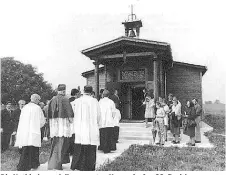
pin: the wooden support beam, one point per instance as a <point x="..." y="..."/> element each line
<point x="161" y="77"/>
<point x="140" y="54"/>
<point x="105" y="73"/>
<point x="156" y="88"/>
<point x="96" y="74"/>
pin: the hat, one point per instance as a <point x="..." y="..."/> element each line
<point x="61" y="87"/>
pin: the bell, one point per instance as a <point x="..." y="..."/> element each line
<point x="132" y="34"/>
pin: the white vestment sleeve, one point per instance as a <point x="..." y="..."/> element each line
<point x="98" y="115"/>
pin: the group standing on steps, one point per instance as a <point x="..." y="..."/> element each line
<point x="166" y="115"/>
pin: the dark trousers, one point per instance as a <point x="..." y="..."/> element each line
<point x="58" y="153"/>
<point x="5" y="140"/>
<point x="29" y="158"/>
<point x="84" y="158"/>
<point x="107" y="141"/>
<point x="71" y="145"/>
<point x="116" y="134"/>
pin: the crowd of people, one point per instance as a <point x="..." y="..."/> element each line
<point x="166" y="115"/>
<point x="79" y="125"/>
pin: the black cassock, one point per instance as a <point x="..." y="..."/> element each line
<point x="29" y="158"/>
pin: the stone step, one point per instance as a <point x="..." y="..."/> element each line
<point x="135" y="138"/>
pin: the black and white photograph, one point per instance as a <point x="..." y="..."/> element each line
<point x="103" y="85"/>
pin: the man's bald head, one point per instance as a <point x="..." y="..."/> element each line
<point x="35" y="98"/>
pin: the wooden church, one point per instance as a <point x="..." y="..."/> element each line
<point x="130" y="64"/>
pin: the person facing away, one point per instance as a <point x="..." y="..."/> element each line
<point x="86" y="128"/>
<point x="198" y="116"/>
<point x="7" y="126"/>
<point x="190" y="129"/>
<point x="75" y="93"/>
<point x="107" y="108"/>
<point x="29" y="134"/>
<point x="60" y="115"/>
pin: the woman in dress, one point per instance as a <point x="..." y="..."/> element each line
<point x="166" y="109"/>
<point x="160" y="115"/>
<point x="175" y="117"/>
<point x="150" y="107"/>
<point x="190" y="126"/>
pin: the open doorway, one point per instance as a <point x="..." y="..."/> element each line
<point x="137" y="103"/>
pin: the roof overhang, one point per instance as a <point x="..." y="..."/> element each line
<point x="202" y="68"/>
<point x="129" y="46"/>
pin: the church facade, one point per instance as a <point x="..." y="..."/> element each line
<point x="130" y="64"/>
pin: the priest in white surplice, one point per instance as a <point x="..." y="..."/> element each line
<point x="29" y="134"/>
<point x="86" y="128"/>
<point x="107" y="140"/>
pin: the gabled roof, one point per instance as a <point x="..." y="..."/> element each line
<point x="122" y="41"/>
<point x="202" y="68"/>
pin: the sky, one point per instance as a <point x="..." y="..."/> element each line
<point x="50" y="35"/>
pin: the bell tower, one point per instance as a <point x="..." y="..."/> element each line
<point x="132" y="25"/>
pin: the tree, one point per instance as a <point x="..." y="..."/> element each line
<point x="217" y="102"/>
<point x="20" y="81"/>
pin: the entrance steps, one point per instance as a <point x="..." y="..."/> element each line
<point x="135" y="131"/>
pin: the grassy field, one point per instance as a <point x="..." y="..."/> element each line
<point x="154" y="158"/>
<point x="214" y="109"/>
<point x="10" y="158"/>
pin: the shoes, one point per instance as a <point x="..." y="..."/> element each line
<point x="197" y="141"/>
<point x="189" y="144"/>
<point x="174" y="142"/>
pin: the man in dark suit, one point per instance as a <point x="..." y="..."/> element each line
<point x="16" y="117"/>
<point x="7" y="126"/>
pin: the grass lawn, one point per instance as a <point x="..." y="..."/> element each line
<point x="154" y="158"/>
<point x="10" y="158"/>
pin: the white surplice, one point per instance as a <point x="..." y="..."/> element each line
<point x="31" y="120"/>
<point x="117" y="117"/>
<point x="107" y="108"/>
<point x="86" y="120"/>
